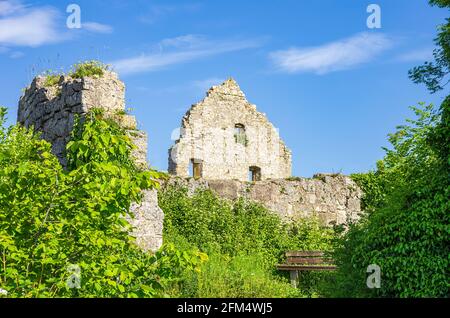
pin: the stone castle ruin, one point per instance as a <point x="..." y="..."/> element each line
<point x="225" y="137"/>
<point x="225" y="145"/>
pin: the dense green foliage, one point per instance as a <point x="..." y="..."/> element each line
<point x="407" y="230"/>
<point x="406" y="227"/>
<point x="372" y="185"/>
<point x="56" y="223"/>
<point x="240" y="276"/>
<point x="100" y="139"/>
<point x="244" y="242"/>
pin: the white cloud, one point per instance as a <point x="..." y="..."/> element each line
<point x="24" y="25"/>
<point x="180" y="50"/>
<point x="21" y="26"/>
<point x="419" y="55"/>
<point x="335" y="56"/>
<point x="9" y="6"/>
<point x="97" y="27"/>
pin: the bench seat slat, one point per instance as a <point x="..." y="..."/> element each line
<point x="303" y="253"/>
<point x="284" y="267"/>
<point x="308" y="260"/>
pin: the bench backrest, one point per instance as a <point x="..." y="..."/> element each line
<point x="307" y="257"/>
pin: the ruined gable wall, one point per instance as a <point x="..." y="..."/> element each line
<point x="208" y="131"/>
<point x="51" y="110"/>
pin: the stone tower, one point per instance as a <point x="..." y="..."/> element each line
<point x="224" y="137"/>
<point x="51" y="110"/>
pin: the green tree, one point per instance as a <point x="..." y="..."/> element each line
<point x="57" y="223"/>
<point x="435" y="74"/>
<point x="407" y="233"/>
<point x="406" y="228"/>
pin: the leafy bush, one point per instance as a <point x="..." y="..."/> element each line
<point x="373" y="187"/>
<point x="407" y="233"/>
<point x="213" y="224"/>
<point x="244" y="242"/>
<point x="241" y="276"/>
<point x="407" y="230"/>
<point x="88" y="69"/>
<point x="98" y="139"/>
<point x="55" y="223"/>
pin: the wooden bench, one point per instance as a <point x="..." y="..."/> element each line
<point x="305" y="261"/>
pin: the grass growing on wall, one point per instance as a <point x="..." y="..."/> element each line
<point x="88" y="69"/>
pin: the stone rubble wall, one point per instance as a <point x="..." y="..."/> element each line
<point x="334" y="199"/>
<point x="148" y="221"/>
<point x="52" y="110"/>
<point x="208" y="135"/>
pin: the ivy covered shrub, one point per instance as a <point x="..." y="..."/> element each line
<point x="64" y="233"/>
<point x="407" y="228"/>
<point x="108" y="139"/>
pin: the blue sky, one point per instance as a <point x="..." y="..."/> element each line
<point x="333" y="87"/>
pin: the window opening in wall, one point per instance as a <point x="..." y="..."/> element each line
<point x="239" y="134"/>
<point x="254" y="174"/>
<point x="195" y="168"/>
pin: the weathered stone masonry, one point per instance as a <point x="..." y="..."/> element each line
<point x="51" y="110"/>
<point x="334" y="199"/>
<point x="228" y="139"/>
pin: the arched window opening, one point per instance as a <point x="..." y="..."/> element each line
<point x="239" y="134"/>
<point x="254" y="174"/>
